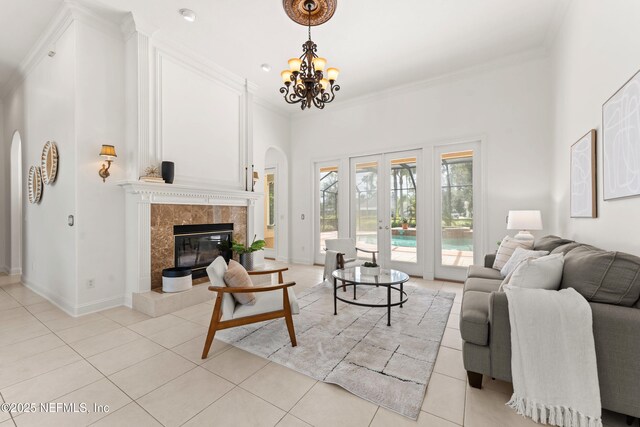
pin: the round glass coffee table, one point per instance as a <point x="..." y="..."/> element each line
<point x="393" y="280"/>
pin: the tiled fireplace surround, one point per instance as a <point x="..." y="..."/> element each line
<point x="151" y="211"/>
<point x="164" y="217"/>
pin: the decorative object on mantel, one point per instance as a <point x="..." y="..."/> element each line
<point x="152" y="174"/>
<point x="35" y="184"/>
<point x="583" y="177"/>
<point x="168" y="172"/>
<point x="305" y="81"/>
<point x="246" y="180"/>
<point x="108" y="152"/>
<point x="49" y="162"/>
<point x="246" y="252"/>
<point x="621" y="141"/>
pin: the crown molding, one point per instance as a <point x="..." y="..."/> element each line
<point x="131" y="25"/>
<point x="504" y="62"/>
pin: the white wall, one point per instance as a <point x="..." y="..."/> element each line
<point x="42" y="108"/>
<point x="272" y="131"/>
<point x="507" y="106"/>
<point x="594" y="54"/>
<point x="100" y="206"/>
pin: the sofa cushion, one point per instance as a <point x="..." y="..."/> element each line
<point x="506" y="249"/>
<point x="549" y="243"/>
<point x="518" y="256"/>
<point x="474" y="317"/>
<point x="566" y="248"/>
<point x="481" y="285"/>
<point x="483" y="272"/>
<point x="601" y="276"/>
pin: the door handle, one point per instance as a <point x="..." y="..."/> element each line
<point x="386" y="227"/>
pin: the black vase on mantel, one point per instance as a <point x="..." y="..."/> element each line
<point x="168" y="170"/>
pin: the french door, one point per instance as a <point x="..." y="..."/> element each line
<point x="386" y="211"/>
<point x="270" y="213"/>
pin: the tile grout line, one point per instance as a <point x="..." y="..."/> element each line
<point x="101" y="373"/>
<point x="374" y="416"/>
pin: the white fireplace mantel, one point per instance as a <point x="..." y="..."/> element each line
<point x="140" y="195"/>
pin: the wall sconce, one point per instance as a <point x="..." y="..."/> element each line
<point x="109" y="153"/>
<point x="255" y="179"/>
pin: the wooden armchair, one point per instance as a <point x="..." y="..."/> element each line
<point x="270" y="304"/>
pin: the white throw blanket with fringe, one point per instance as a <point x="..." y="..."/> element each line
<point x="553" y="358"/>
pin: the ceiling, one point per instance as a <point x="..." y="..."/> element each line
<point x="376" y="44"/>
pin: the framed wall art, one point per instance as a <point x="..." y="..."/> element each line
<point x="621" y="141"/>
<point x="583" y="177"/>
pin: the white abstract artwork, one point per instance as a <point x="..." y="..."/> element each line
<point x="583" y="171"/>
<point x="621" y="141"/>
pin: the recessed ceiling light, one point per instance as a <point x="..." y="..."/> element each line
<point x="188" y="15"/>
<point x="266" y="67"/>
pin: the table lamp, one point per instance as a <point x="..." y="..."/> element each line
<point x="524" y="221"/>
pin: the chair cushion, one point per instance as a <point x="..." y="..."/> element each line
<point x="601" y="276"/>
<point x="216" y="271"/>
<point x="267" y="302"/>
<point x="483" y="272"/>
<point x="481" y="285"/>
<point x="506" y="249"/>
<point x="474" y="317"/>
<point x="549" y="243"/>
<point x="237" y="277"/>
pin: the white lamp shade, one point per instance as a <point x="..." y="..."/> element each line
<point x="524" y="220"/>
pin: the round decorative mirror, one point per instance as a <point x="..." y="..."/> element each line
<point x="35" y="184"/>
<point x="49" y="162"/>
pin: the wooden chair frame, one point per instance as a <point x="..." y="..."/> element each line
<point x="218" y="325"/>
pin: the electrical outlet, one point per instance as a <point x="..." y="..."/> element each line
<point x="91" y="284"/>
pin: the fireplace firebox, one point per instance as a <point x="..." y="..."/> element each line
<point x="197" y="245"/>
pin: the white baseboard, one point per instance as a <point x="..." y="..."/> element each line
<point x="53" y="299"/>
<point x="70" y="308"/>
<point x="301" y="261"/>
<point x="15" y="271"/>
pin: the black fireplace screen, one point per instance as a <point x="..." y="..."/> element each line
<point x="196" y="246"/>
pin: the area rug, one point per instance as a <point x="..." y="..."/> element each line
<point x="389" y="366"/>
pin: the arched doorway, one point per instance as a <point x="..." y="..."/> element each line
<point x="16" y="204"/>
<point x="275" y="204"/>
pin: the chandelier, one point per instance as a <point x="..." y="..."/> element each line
<point x="305" y="82"/>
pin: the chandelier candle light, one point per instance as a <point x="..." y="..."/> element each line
<point x="305" y="81"/>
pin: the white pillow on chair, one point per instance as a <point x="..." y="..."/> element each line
<point x="216" y="271"/>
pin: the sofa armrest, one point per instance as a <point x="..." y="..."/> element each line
<point x="500" y="336"/>
<point x="489" y="259"/>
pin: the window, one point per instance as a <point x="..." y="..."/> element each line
<point x="328" y="194"/>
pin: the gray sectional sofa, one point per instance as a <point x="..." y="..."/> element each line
<point x="610" y="281"/>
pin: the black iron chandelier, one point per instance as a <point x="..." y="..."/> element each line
<point x="305" y="81"/>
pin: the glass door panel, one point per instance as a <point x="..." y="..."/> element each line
<point x="270" y="212"/>
<point x="365" y="203"/>
<point x="327" y="206"/>
<point x="457" y="181"/>
<point x="403" y="239"/>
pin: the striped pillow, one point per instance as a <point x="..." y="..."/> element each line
<point x="506" y="249"/>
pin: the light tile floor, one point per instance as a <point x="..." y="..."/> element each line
<point x="149" y="372"/>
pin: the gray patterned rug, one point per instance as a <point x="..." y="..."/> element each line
<point x="387" y="365"/>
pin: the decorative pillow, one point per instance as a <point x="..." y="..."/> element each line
<point x="539" y="273"/>
<point x="517" y="257"/>
<point x="237" y="277"/>
<point x="508" y="245"/>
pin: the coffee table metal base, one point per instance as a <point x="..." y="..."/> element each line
<point x="397" y="287"/>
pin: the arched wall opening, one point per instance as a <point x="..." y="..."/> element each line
<point x="16" y="192"/>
